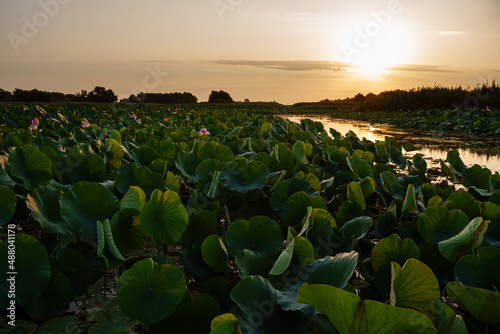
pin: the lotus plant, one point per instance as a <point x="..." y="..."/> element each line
<point x="203" y="131"/>
<point x="85" y="124"/>
<point x="34" y="124"/>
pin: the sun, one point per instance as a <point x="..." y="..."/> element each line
<point x="383" y="52"/>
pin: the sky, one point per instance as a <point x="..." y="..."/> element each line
<point x="276" y="50"/>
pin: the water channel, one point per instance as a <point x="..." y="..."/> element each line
<point x="432" y="145"/>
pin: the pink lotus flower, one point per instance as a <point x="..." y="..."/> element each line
<point x="139" y="121"/>
<point x="203" y="132"/>
<point x="187" y="118"/>
<point x="33" y="127"/>
<point x="35" y="121"/>
<point x="85" y="124"/>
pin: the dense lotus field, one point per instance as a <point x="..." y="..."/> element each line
<point x="256" y="225"/>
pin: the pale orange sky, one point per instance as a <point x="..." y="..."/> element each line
<point x="283" y="50"/>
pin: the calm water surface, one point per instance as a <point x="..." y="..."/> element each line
<point x="430" y="144"/>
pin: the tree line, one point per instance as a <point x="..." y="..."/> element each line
<point x="426" y="97"/>
<point x="103" y="95"/>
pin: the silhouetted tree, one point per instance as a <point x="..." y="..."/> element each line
<point x="163" y="98"/>
<point x="220" y="97"/>
<point x="5" y="96"/>
<point x="101" y="95"/>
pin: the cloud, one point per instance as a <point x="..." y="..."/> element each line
<point x="452" y="33"/>
<point x="421" y="68"/>
<point x="291" y="65"/>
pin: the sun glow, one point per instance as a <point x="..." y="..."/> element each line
<point x="383" y="52"/>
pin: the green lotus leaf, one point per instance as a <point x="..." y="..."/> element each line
<point x="5" y="179"/>
<point x="391" y="185"/>
<point x="359" y="167"/>
<point x="167" y="150"/>
<point x="465" y="202"/>
<point x="348" y="211"/>
<point x="130" y="175"/>
<point x="381" y="151"/>
<point x="187" y="163"/>
<point x="85" y="204"/>
<point x="334" y="271"/>
<point x="284" y="156"/>
<point x="303" y="251"/>
<point x="284" y="259"/>
<point x="367" y="186"/>
<point x="8" y="203"/>
<point x="114" y="154"/>
<point x="133" y="201"/>
<point x="420" y="164"/>
<point x="355" y="194"/>
<point x="214" y="253"/>
<point x="458" y="166"/>
<point x="445" y="170"/>
<point x="225" y="324"/>
<point x="242" y="176"/>
<point x="357" y="228"/>
<point x="481" y="270"/>
<point x="192" y="315"/>
<point x="490" y="211"/>
<point x="258" y="310"/>
<point x="45" y="208"/>
<point x="321" y="215"/>
<point x="28" y="269"/>
<point x="285" y="189"/>
<point x="299" y="151"/>
<point x="260" y="234"/>
<point x="350" y="315"/>
<point x="253" y="263"/>
<point x="158" y="166"/>
<point x="427" y="191"/>
<point x="193" y="264"/>
<point x="81" y="167"/>
<point x="437" y="224"/>
<point x="205" y="173"/>
<point x="338" y="156"/>
<point x="476" y="176"/>
<point x="393" y="249"/>
<point x="484" y="305"/>
<point x="150" y="292"/>
<point x="414" y="286"/>
<point x="202" y="223"/>
<point x="172" y="182"/>
<point x="144" y="155"/>
<point x="296" y="207"/>
<point x="105" y="238"/>
<point x="312" y="179"/>
<point x="31" y="166"/>
<point x="271" y="163"/>
<point x="128" y="234"/>
<point x="211" y="150"/>
<point x="56" y="296"/>
<point x="397" y="157"/>
<point x="468" y="239"/>
<point x="410" y="203"/>
<point x="73" y="264"/>
<point x="448" y="321"/>
<point x="164" y="217"/>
